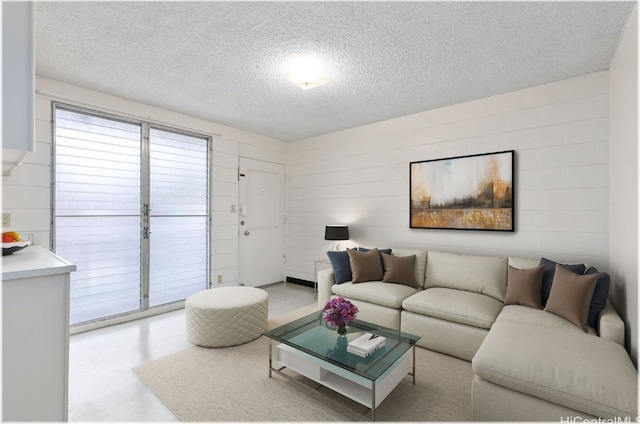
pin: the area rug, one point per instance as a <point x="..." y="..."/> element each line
<point x="233" y="384"/>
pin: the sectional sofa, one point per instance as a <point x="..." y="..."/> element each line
<point x="544" y="341"/>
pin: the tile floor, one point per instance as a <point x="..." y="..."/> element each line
<point x="102" y="384"/>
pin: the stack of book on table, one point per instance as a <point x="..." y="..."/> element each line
<point x="366" y="344"/>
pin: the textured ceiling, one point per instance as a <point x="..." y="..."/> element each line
<point x="223" y="61"/>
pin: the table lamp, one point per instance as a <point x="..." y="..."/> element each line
<point x="336" y="233"/>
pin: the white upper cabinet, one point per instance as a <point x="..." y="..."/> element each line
<point x="18" y="76"/>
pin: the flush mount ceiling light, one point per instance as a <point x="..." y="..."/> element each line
<point x="305" y="72"/>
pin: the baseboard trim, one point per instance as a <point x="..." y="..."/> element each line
<point x="300" y="282"/>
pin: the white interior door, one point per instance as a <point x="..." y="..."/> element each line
<point x="261" y="223"/>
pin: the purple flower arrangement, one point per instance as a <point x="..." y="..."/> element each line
<point x="338" y="313"/>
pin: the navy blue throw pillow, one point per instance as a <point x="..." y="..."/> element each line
<point x="364" y="249"/>
<point x="600" y="295"/>
<point x="549" y="272"/>
<point x="341" y="266"/>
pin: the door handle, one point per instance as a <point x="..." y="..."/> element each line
<point x="246" y="233"/>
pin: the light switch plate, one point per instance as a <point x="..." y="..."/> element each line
<point x="6" y="220"/>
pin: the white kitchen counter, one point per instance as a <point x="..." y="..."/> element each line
<point x="35" y="336"/>
<point x="34" y="261"/>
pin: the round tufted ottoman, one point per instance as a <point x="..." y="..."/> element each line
<point x="226" y="316"/>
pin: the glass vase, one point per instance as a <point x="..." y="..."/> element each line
<point x="342" y="342"/>
<point x="342" y="330"/>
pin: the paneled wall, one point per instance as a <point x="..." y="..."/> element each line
<point x="360" y="176"/>
<point x="26" y="194"/>
<point x="624" y="182"/>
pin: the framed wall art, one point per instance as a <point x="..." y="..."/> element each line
<point x="472" y="192"/>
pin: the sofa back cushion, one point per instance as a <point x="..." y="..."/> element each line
<point x="420" y="265"/>
<point x="524" y="263"/>
<point x="481" y="274"/>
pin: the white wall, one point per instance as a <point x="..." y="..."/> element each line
<point x="360" y="177"/>
<point x="26" y="194"/>
<point x="624" y="182"/>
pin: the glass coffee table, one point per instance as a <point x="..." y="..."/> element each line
<point x="310" y="348"/>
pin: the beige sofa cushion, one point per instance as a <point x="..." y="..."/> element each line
<point x="481" y="274"/>
<point x="569" y="368"/>
<point x="525" y="314"/>
<point x="453" y="305"/>
<point x="377" y="292"/>
<point x="421" y="261"/>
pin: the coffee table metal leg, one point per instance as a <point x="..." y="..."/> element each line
<point x="413" y="372"/>
<point x="270" y="353"/>
<point x="373" y="401"/>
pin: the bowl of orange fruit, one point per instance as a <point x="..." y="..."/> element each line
<point x="11" y="243"/>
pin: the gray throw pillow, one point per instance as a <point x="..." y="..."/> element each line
<point x="524" y="287"/>
<point x="571" y="295"/>
<point x="400" y="269"/>
<point x="365" y="266"/>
